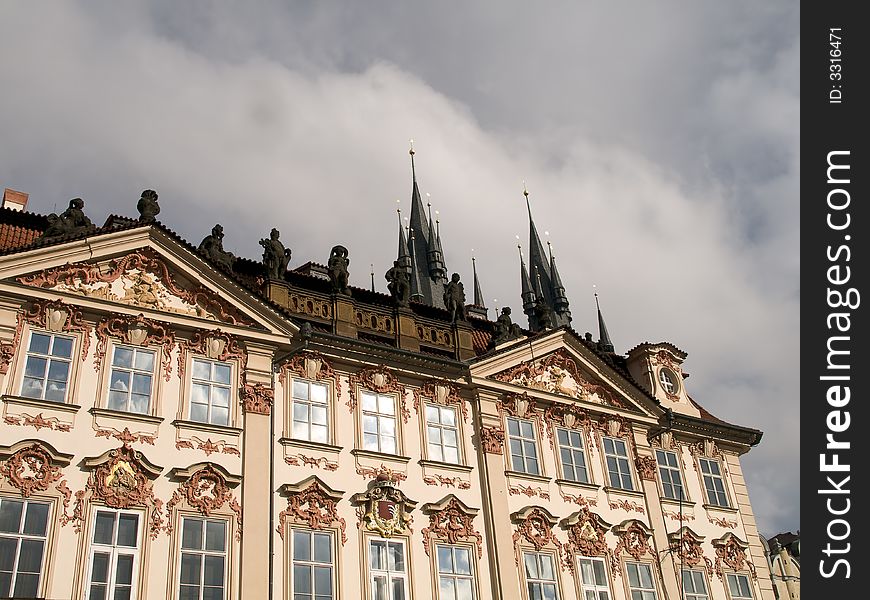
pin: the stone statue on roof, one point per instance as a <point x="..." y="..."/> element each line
<point x="212" y="246"/>
<point x="275" y="256"/>
<point x="72" y="220"/>
<point x="337" y="269"/>
<point x="543" y="314"/>
<point x="148" y="207"/>
<point x="398" y="284"/>
<point x="454" y="299"/>
<point x="505" y="329"/>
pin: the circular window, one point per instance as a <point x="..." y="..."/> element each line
<point x="669" y="381"/>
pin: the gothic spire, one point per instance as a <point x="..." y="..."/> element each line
<point x="528" y="295"/>
<point x="404" y="256"/>
<point x="560" y="299"/>
<point x="478" y="294"/>
<point x="416" y="293"/>
<point x="604" y="342"/>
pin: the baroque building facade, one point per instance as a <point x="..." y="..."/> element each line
<point x="178" y="422"/>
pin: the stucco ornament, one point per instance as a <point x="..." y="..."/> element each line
<point x="314" y="506"/>
<point x="387" y="509"/>
<point x="451" y="523"/>
<point x="30" y="470"/>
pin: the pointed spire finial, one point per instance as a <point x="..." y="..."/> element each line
<point x="604" y="342"/>
<point x="413" y="169"/>
<point x="372" y="265"/>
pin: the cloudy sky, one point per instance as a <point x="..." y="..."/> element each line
<point x="658" y="140"/>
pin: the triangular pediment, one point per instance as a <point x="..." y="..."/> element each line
<point x="143" y="269"/>
<point x="560" y="365"/>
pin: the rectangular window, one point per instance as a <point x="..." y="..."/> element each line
<point x="640" y="581"/>
<point x="455" y="573"/>
<point x="46" y="372"/>
<point x="387" y="572"/>
<point x="379" y="423"/>
<point x="738" y="586"/>
<point x="210" y="392"/>
<point x="694" y="585"/>
<point x="312" y="568"/>
<point x="572" y="455"/>
<point x="442" y="434"/>
<point x="669" y="472"/>
<point x="114" y="556"/>
<point x="523" y="447"/>
<point x="713" y="482"/>
<point x="310" y="411"/>
<point x="593" y="579"/>
<point x="203" y="559"/>
<point x="540" y="576"/>
<point x="23" y="526"/>
<point x="618" y="468"/>
<point x="130" y="384"/>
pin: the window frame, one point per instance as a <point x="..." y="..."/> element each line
<point x="472" y="576"/>
<point x="629" y="589"/>
<point x="112" y="550"/>
<point x="605" y="455"/>
<point x="554" y="564"/>
<point x="156" y="368"/>
<point x="328" y="405"/>
<point x="720" y="476"/>
<point x="396" y="416"/>
<point x="187" y="405"/>
<point x="456" y="427"/>
<point x="202" y="552"/>
<point x="572" y="449"/>
<point x="672" y="381"/>
<point x="679" y="470"/>
<point x="694" y="595"/>
<point x="71" y="364"/>
<point x="20" y="536"/>
<point x="371" y="573"/>
<point x="333" y="556"/>
<point x="509" y="455"/>
<point x="595" y="588"/>
<point x="735" y="574"/>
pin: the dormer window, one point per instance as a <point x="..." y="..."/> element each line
<point x="668" y="381"/>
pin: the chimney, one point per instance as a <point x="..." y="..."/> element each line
<point x="14" y="200"/>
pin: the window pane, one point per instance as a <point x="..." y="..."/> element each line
<point x="377" y="555"/>
<point x="215" y="535"/>
<point x="451" y="455"/>
<point x="214" y="570"/>
<point x="191" y="535"/>
<point x="300" y="390"/>
<point x="124" y="570"/>
<point x="446" y="588"/>
<point x="318" y="415"/>
<point x="301" y="545"/>
<point x="62" y="347"/>
<point x="10" y="515"/>
<point x="369" y="402"/>
<point x="448" y="416"/>
<point x="386" y="405"/>
<point x="397" y="557"/>
<point x="30" y="556"/>
<point x="145" y="360"/>
<point x="127" y="530"/>
<point x="322" y="548"/>
<point x="35" y="367"/>
<point x="103" y="528"/>
<point x="190" y="569"/>
<point x="323" y="581"/>
<point x="398" y="589"/>
<point x="220" y="396"/>
<point x="526" y="429"/>
<point x="463" y="565"/>
<point x="58" y="371"/>
<point x="513" y="427"/>
<point x="201" y="369"/>
<point x="222" y="373"/>
<point x="26" y="584"/>
<point x="464" y="589"/>
<point x="318" y="393"/>
<point x="388" y="445"/>
<point x="531" y="566"/>
<point x="39" y="343"/>
<point x="302" y="579"/>
<point x="220" y="416"/>
<point x="142" y="384"/>
<point x="55" y="392"/>
<point x="100" y="572"/>
<point x="445" y="559"/>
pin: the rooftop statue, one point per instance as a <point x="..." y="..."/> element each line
<point x="454" y="299"/>
<point x="400" y="288"/>
<point x="337" y="268"/>
<point x="505" y="329"/>
<point x="148" y="207"/>
<point x="275" y="256"/>
<point x="212" y="246"/>
<point x="72" y="220"/>
<point x="543" y="314"/>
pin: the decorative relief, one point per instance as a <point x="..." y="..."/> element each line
<point x="310" y="306"/>
<point x="535" y="526"/>
<point x="731" y="550"/>
<point x="580" y="500"/>
<point x="721" y="522"/>
<point x="207" y="446"/>
<point x="376" y="322"/>
<point x="586" y="536"/>
<point x="529" y="491"/>
<point x="382" y="472"/>
<point x="446" y="481"/>
<point x="435" y="336"/>
<point x="7" y="353"/>
<point x="311" y="365"/>
<point x="137" y="331"/>
<point x="569" y="417"/>
<point x="387" y="509"/>
<point x="257" y="398"/>
<point x="666" y="359"/>
<point x="206" y="490"/>
<point x="677" y="516"/>
<point x="311" y="461"/>
<point x="628" y="505"/>
<point x="614" y="426"/>
<point x="216" y="345"/>
<point x="686" y="544"/>
<point x="55" y="316"/>
<point x="451" y="522"/>
<point x="66" y="493"/>
<point x="381" y="380"/>
<point x="126" y="436"/>
<point x="141" y="279"/>
<point x="557" y="373"/>
<point x="314" y="506"/>
<point x="38" y="422"/>
<point x="646" y="467"/>
<point x="30" y="470"/>
<point x="492" y="439"/>
<point x="634" y="540"/>
<point x="440" y="391"/>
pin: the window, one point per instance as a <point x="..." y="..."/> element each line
<point x="593" y="579"/>
<point x="618" y="469"/>
<point x="203" y="559"/>
<point x="130" y="384"/>
<point x="387" y="575"/>
<point x="738" y="586"/>
<point x="23" y="527"/>
<point x="46" y="373"/>
<point x="571" y="453"/>
<point x="694" y="585"/>
<point x="114" y="556"/>
<point x="640" y="581"/>
<point x="312" y="565"/>
<point x="713" y="483"/>
<point x="379" y="423"/>
<point x="668" y="381"/>
<point x="540" y="576"/>
<point x="442" y="434"/>
<point x="455" y="574"/>
<point x="310" y="405"/>
<point x="210" y="392"/>
<point x="524" y="450"/>
<point x="669" y="472"/>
